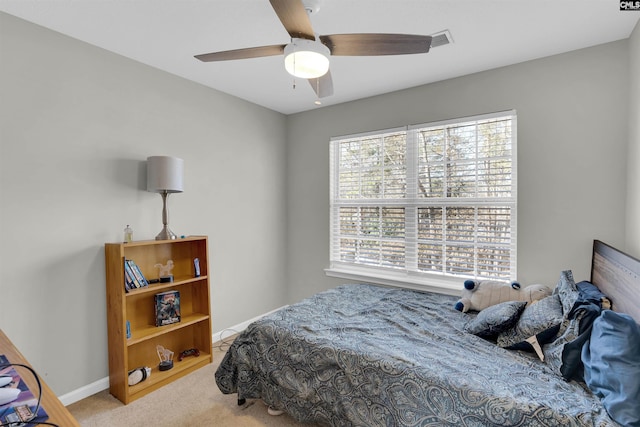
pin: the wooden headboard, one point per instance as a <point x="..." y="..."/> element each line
<point x="617" y="275"/>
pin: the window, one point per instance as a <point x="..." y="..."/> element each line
<point x="425" y="201"/>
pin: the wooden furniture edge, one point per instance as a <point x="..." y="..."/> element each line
<point x="617" y="275"/>
<point x="58" y="413"/>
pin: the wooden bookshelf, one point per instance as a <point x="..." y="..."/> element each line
<point x="138" y="307"/>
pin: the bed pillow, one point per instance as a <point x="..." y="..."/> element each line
<point x="564" y="354"/>
<point x="567" y="291"/>
<point x="495" y="319"/>
<point x="589" y="293"/>
<point x="540" y="320"/>
<point x="612" y="366"/>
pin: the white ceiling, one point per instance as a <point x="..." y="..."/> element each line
<point x="165" y="34"/>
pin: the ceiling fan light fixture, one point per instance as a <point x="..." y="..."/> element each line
<point x="306" y="59"/>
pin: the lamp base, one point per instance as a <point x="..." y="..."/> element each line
<point x="166" y="234"/>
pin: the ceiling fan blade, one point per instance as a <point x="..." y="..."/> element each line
<point x="323" y="85"/>
<point x="251" y="52"/>
<point x="294" y="17"/>
<point x="376" y="44"/>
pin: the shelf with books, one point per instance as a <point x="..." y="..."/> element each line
<point x="159" y="287"/>
<point x="137" y="308"/>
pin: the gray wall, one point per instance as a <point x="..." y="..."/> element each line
<point x="77" y="124"/>
<point x="572" y="146"/>
<point x="633" y="181"/>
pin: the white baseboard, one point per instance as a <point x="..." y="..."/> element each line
<point x="86" y="391"/>
<point x="103" y="384"/>
<point x="239" y="327"/>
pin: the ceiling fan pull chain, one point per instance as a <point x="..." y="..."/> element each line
<point x="294" y="67"/>
<point x="317" y="101"/>
<point x="294" y="64"/>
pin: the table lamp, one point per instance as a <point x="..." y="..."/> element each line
<point x="165" y="176"/>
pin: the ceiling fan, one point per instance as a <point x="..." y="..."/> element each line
<point x="307" y="56"/>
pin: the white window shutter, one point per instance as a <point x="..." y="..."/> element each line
<point x="438" y="198"/>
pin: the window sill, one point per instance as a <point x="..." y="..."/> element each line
<point x="440" y="285"/>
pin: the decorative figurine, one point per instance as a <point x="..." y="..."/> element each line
<point x="164" y="272"/>
<point x="166" y="358"/>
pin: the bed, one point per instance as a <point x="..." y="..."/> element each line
<point x="366" y="355"/>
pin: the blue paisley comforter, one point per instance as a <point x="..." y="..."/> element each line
<point x="363" y="355"/>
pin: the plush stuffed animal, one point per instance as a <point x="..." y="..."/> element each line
<point x="480" y="294"/>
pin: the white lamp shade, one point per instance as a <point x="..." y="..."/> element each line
<point x="306" y="59"/>
<point x="165" y="173"/>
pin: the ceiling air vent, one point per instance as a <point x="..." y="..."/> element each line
<point x="440" y="39"/>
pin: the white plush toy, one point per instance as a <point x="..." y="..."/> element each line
<point x="480" y="294"/>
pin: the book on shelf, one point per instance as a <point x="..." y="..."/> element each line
<point x="167" y="307"/>
<point x="20" y="411"/>
<point x="136" y="274"/>
<point x="128" y="275"/>
<point x="128" y="281"/>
